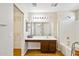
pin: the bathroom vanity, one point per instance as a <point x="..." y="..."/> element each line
<point x="48" y="45"/>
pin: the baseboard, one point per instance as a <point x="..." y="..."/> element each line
<point x="16" y="52"/>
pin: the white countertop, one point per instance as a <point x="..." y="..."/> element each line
<point x="41" y="38"/>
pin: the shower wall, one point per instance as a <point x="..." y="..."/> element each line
<point x="66" y="31"/>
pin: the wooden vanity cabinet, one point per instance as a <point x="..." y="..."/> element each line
<point x="44" y="46"/>
<point x="48" y="46"/>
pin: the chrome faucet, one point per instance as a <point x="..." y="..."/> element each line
<point x="73" y="48"/>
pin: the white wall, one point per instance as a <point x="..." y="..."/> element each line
<point x="6" y="32"/>
<point x="77" y="31"/>
<point x="66" y="29"/>
<point x="77" y="25"/>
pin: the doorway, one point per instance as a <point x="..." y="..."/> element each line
<point x="18" y="31"/>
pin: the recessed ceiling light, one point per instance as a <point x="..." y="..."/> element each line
<point x="34" y="4"/>
<point x="54" y="4"/>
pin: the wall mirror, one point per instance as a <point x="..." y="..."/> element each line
<point x="38" y="28"/>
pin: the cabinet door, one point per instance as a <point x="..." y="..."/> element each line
<point x="44" y="46"/>
<point x="52" y="46"/>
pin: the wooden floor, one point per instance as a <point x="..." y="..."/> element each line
<point x="16" y="52"/>
<point x="38" y="53"/>
<point x="77" y="52"/>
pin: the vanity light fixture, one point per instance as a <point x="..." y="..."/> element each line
<point x="40" y="17"/>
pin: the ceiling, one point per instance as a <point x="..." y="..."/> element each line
<point x="46" y="7"/>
